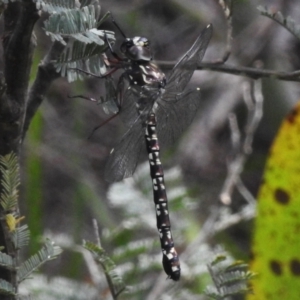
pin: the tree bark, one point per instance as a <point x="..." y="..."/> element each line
<point x="19" y="20"/>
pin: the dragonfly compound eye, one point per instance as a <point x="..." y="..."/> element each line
<point x="137" y="49"/>
<point x="126" y="45"/>
<point x="141" y="41"/>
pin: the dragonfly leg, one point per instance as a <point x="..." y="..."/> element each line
<point x="113" y="53"/>
<point x="117" y="25"/>
<point x="83" y="97"/>
<point x="103" y="123"/>
<point x="113" y="70"/>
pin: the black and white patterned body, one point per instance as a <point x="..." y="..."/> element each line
<point x="170" y="257"/>
<point x="145" y="74"/>
<point x="149" y="87"/>
<point x="149" y="97"/>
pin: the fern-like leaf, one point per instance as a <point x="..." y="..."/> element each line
<point x="76" y="27"/>
<point x="7" y="261"/>
<point x="20" y="236"/>
<point x="100" y="256"/>
<point x="6" y="288"/>
<point x="9" y="167"/>
<point x="55" y="6"/>
<point x="80" y="24"/>
<point x="82" y="56"/>
<point x="229" y="279"/>
<point x="115" y="282"/>
<point x="287" y="23"/>
<point x="48" y="252"/>
<point x="43" y="287"/>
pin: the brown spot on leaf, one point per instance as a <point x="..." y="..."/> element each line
<point x="275" y="267"/>
<point x="295" y="267"/>
<point x="292" y="115"/>
<point x="281" y="196"/>
<point x="251" y="255"/>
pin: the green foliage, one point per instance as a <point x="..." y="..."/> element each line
<point x="18" y="234"/>
<point x="54" y="6"/>
<point x="9" y="168"/>
<point x="287" y="23"/>
<point x="6" y="288"/>
<point x="100" y="256"/>
<point x="59" y="288"/>
<point x="75" y="25"/>
<point x="48" y="252"/>
<point x="6" y="261"/>
<point x="10" y="182"/>
<point x="229" y="279"/>
<point x="115" y="282"/>
<point x="140" y="256"/>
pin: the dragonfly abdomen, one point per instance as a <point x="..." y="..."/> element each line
<point x="170" y="257"/>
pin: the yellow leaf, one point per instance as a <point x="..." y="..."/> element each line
<point x="276" y="242"/>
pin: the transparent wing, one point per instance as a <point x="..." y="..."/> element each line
<point x="110" y="102"/>
<point x="128" y="112"/>
<point x="184" y="69"/>
<point x="175" y="112"/>
<point x="124" y="157"/>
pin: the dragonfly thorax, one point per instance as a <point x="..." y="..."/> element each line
<point x="137" y="49"/>
<point x="145" y="74"/>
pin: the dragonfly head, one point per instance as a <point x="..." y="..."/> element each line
<point x="137" y="48"/>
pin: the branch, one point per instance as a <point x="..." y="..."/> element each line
<point x="45" y="76"/>
<point x="18" y="47"/>
<point x="252" y="73"/>
<point x="254" y="101"/>
<point x="19" y="19"/>
<point x="227" y="9"/>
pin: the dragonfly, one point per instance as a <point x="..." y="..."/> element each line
<point x="151" y="91"/>
<point x="155" y="109"/>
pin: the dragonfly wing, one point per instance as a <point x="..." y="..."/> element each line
<point x="175" y="113"/>
<point x="124" y="157"/>
<point x="129" y="113"/>
<point x="110" y="102"/>
<point x="184" y="69"/>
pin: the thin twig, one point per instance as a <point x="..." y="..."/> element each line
<point x="235" y="166"/>
<point x="252" y="73"/>
<point x="227" y="9"/>
<point x="256" y="115"/>
<point x="215" y="224"/>
<point x="114" y="291"/>
<point x="45" y="76"/>
<point x="246" y="213"/>
<point x="244" y="191"/>
<point x="96" y="231"/>
<point x="235" y="132"/>
<point x="254" y="102"/>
